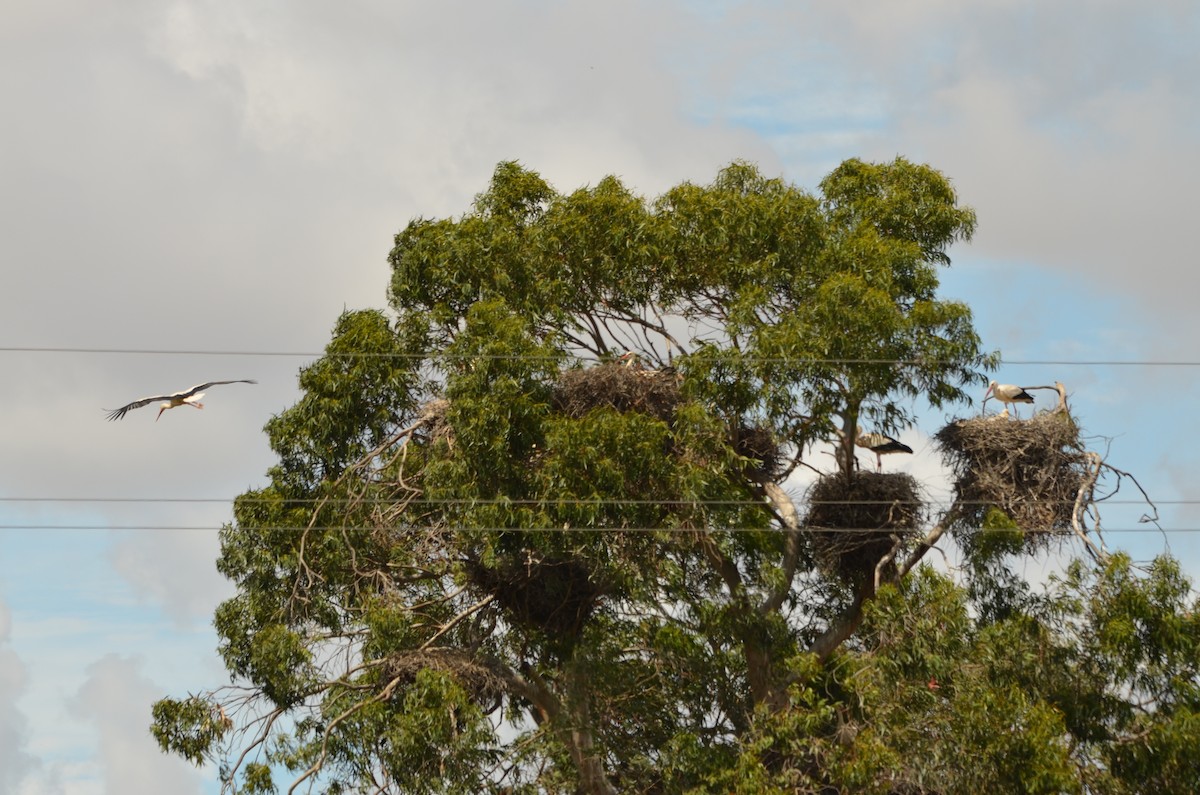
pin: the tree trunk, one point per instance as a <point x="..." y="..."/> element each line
<point x="593" y="779"/>
<point x="569" y="716"/>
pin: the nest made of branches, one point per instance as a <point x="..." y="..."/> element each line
<point x="1031" y="470"/>
<point x="760" y="446"/>
<point x="555" y="595"/>
<point x="485" y="687"/>
<point x="435" y="416"/>
<point x="656" y="392"/>
<point x="856" y="523"/>
<point x="614" y="385"/>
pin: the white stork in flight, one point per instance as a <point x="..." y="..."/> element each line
<point x="1009" y="394"/>
<point x="880" y="444"/>
<point x="188" y="397"/>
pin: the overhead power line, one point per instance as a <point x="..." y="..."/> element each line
<point x="580" y="501"/>
<point x="606" y="530"/>
<point x="531" y="357"/>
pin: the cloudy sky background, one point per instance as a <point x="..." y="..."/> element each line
<point x="226" y="177"/>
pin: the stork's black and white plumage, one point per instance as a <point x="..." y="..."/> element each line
<point x="188" y="397"/>
<point x="1009" y="394"/>
<point x="880" y="444"/>
<point x="632" y="360"/>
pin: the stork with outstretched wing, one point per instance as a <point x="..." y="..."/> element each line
<point x="188" y="397"/>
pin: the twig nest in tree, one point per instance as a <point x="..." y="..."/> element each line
<point x="656" y="392"/>
<point x="485" y="686"/>
<point x="1031" y="470"/>
<point x="856" y="523"/>
<point x="553" y="594"/>
<point x="613" y="385"/>
<point x="435" y="416"/>
<point x="760" y="446"/>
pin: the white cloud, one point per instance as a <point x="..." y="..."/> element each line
<point x="169" y="568"/>
<point x="430" y="97"/>
<point x="15" y="762"/>
<point x="1064" y="129"/>
<point x="115" y="700"/>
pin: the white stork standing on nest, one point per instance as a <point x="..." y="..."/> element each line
<point x="634" y="361"/>
<point x="1009" y="394"/>
<point x="188" y="397"/>
<point x="880" y="444"/>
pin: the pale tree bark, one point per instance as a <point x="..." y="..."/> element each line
<point x="569" y="717"/>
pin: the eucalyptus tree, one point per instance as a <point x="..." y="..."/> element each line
<point x="532" y="530"/>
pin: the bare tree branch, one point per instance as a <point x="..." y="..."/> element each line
<point x="790" y="517"/>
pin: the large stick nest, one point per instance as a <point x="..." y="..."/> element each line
<point x="856" y="523"/>
<point x="760" y="447"/>
<point x="437" y="422"/>
<point x="613" y="385"/>
<point x="1031" y="470"/>
<point x="555" y="595"/>
<point x="656" y="392"/>
<point x="484" y="686"/>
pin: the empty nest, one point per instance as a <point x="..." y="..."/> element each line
<point x="555" y="595"/>
<point x="613" y="385"/>
<point x="656" y="392"/>
<point x="856" y="523"/>
<point x="1031" y="470"/>
<point x="483" y="684"/>
<point x="435" y="416"/>
<point x="761" y="448"/>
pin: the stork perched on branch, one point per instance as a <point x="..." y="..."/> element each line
<point x="1009" y="394"/>
<point x="880" y="444"/>
<point x="187" y="397"/>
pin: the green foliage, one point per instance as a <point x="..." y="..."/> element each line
<point x="457" y="580"/>
<point x="256" y="778"/>
<point x="188" y="727"/>
<point x="1000" y="536"/>
<point x="351" y="397"/>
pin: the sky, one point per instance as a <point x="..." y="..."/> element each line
<point x="190" y="190"/>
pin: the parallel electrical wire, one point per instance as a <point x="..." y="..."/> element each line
<point x="607" y="530"/>
<point x="468" y="502"/>
<point x="533" y="357"/>
<point x="464" y="501"/>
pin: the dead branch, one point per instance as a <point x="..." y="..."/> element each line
<point x="844" y="625"/>
<point x="316" y="766"/>
<point x="888" y="558"/>
<point x="931" y="538"/>
<point x="1082" y="501"/>
<point x="449" y="625"/>
<point x="785" y="509"/>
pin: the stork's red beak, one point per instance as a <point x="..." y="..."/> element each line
<point x="160" y="411"/>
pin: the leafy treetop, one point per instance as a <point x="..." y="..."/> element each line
<point x="492" y="557"/>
